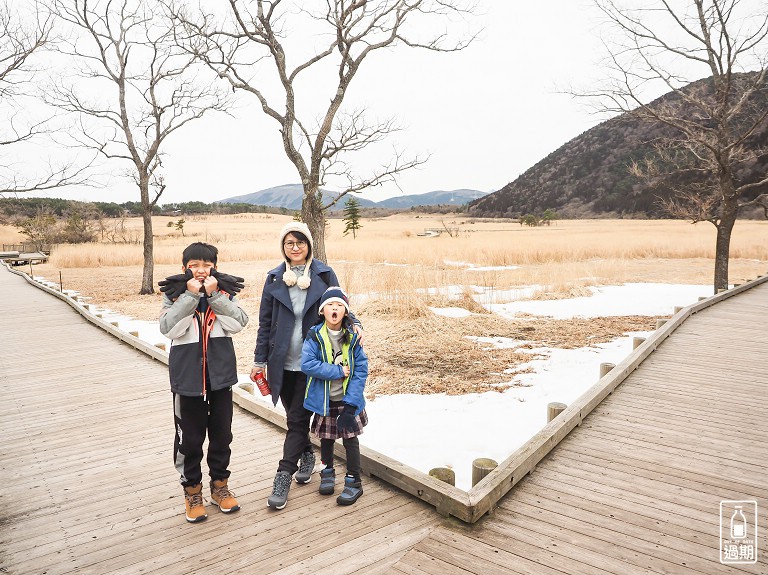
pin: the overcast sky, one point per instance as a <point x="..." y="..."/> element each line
<point x="484" y="115"/>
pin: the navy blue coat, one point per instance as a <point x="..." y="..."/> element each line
<point x="276" y="318"/>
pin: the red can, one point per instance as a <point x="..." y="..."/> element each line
<point x="262" y="384"/>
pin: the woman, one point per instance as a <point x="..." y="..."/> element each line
<point x="289" y="307"/>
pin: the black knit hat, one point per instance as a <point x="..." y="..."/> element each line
<point x="334" y="293"/>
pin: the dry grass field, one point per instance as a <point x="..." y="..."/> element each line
<point x="391" y="273"/>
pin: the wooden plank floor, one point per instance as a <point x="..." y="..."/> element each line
<point x="637" y="488"/>
<point x="88" y="484"/>
<point x="89" y="487"/>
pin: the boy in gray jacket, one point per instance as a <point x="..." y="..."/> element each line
<point x="199" y="316"/>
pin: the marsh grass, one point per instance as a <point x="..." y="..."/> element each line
<point x="393" y="276"/>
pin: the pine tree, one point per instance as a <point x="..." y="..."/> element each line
<point x="352" y="216"/>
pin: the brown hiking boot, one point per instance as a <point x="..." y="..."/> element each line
<point x="223" y="497"/>
<point x="193" y="498"/>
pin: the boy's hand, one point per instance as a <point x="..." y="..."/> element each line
<point x="174" y="286"/>
<point x="345" y="369"/>
<point x="195" y="285"/>
<point x="230" y="284"/>
<point x="210" y="285"/>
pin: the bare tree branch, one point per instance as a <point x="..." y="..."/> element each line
<point x="23" y="35"/>
<point x="135" y="88"/>
<point x="718" y="125"/>
<point x="256" y="33"/>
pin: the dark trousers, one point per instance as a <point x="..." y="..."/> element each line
<point x="195" y="416"/>
<point x="297" y="436"/>
<point x="352" y="447"/>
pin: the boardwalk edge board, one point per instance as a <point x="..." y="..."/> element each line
<point x="468" y="506"/>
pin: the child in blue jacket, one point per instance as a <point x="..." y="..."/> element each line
<point x="336" y="367"/>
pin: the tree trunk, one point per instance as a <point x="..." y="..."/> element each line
<point x="313" y="216"/>
<point x="147" y="286"/>
<point x="723" y="244"/>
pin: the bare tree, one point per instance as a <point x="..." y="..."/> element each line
<point x="255" y="37"/>
<point x="134" y="88"/>
<point x="719" y="123"/>
<point x="23" y="36"/>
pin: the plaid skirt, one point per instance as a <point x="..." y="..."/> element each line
<point x="324" y="426"/>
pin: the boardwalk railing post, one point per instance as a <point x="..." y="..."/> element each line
<point x="444" y="474"/>
<point x="678" y="309"/>
<point x="660" y="323"/>
<point x="482" y="467"/>
<point x="605" y="368"/>
<point x="554" y="409"/>
<point x="637" y="342"/>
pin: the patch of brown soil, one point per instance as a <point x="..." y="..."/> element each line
<point x="434" y="354"/>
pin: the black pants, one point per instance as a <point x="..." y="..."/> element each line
<point x="297" y="436"/>
<point x="352" y="447"/>
<point x="194" y="417"/>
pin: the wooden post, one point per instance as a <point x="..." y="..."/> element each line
<point x="637" y="342"/>
<point x="482" y="467"/>
<point x="61" y="285"/>
<point x="605" y="368"/>
<point x="134" y="333"/>
<point x="703" y="297"/>
<point x="660" y="323"/>
<point x="114" y="323"/>
<point x="678" y="309"/>
<point x="554" y="409"/>
<point x="444" y="474"/>
<point x="160" y="345"/>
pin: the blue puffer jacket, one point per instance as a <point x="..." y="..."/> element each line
<point x="276" y="318"/>
<point x="317" y="364"/>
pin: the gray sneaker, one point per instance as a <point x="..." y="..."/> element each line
<point x="306" y="467"/>
<point x="280" y="488"/>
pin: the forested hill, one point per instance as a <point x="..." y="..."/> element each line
<point x="589" y="175"/>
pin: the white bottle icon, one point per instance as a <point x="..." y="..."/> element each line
<point x="738" y="524"/>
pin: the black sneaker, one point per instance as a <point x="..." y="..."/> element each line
<point x="280" y="488"/>
<point x="353" y="489"/>
<point x="306" y="467"/>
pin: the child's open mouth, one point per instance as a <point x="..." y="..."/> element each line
<point x="334" y="316"/>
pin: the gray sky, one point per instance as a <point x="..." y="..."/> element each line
<point x="484" y="115"/>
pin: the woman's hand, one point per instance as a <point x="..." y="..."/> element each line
<point x="255" y="371"/>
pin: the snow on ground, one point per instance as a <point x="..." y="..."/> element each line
<point x="606" y="301"/>
<point x="426" y="431"/>
<point x="481" y="294"/>
<point x="474" y="268"/>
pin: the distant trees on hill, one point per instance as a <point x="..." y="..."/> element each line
<point x="11" y="208"/>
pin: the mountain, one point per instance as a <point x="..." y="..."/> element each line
<point x="439" y="197"/>
<point x="286" y="196"/>
<point x="589" y="175"/>
<point x="289" y="196"/>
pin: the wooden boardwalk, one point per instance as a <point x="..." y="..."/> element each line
<point x="89" y="487"/>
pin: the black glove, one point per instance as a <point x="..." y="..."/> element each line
<point x="174" y="286"/>
<point x="345" y="423"/>
<point x="228" y="283"/>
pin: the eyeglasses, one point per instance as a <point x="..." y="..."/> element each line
<point x="291" y="245"/>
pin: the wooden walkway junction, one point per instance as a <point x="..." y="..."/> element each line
<point x="89" y="486"/>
